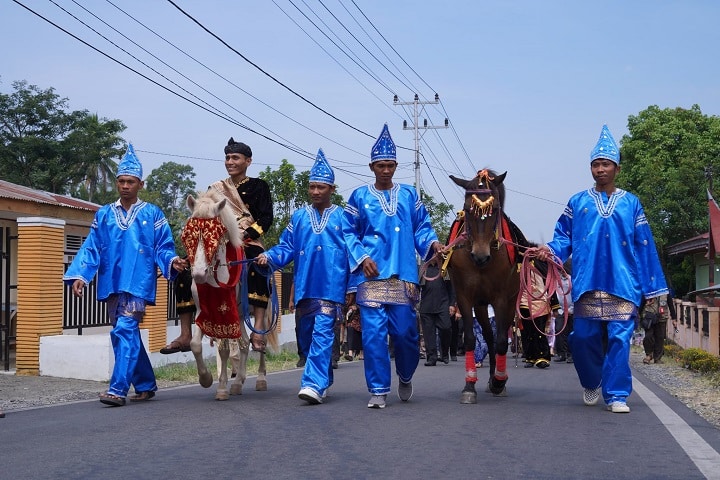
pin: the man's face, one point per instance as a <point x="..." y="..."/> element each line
<point x="384" y="170"/>
<point x="128" y="186"/>
<point x="320" y="194"/>
<point x="604" y="171"/>
<point x="237" y="163"/>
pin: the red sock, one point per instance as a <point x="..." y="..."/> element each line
<point x="501" y="367"/>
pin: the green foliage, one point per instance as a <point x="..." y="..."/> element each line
<point x="43" y="146"/>
<point x="664" y="160"/>
<point x="187" y="372"/>
<point x="441" y="215"/>
<point x="699" y="360"/>
<point x="168" y="186"/>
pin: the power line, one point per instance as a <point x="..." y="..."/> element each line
<point x="266" y="73"/>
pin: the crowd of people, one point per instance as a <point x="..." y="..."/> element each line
<point x="357" y="292"/>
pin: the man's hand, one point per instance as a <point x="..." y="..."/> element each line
<point x="544" y="253"/>
<point x="179" y="264"/>
<point x="262" y="260"/>
<point x="77" y="288"/>
<point x="370" y="268"/>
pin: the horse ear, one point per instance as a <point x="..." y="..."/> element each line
<point x="459" y="181"/>
<point x="500" y="178"/>
<point x="190" y="202"/>
<point x="221" y="204"/>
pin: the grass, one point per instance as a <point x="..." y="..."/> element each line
<point x="187" y="372"/>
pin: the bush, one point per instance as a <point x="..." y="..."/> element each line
<point x="699" y="360"/>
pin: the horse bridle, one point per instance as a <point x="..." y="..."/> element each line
<point x="483" y="208"/>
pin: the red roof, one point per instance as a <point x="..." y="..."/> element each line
<point x="18" y="192"/>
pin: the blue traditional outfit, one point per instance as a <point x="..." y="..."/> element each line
<point x="123" y="248"/>
<point x="388" y="226"/>
<point x="314" y="242"/>
<point x="615" y="265"/>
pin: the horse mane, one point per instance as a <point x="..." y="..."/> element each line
<point x="208" y="205"/>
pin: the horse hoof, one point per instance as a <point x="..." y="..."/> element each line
<point x="497" y="388"/>
<point x="468" y="398"/>
<point x="222" y="395"/>
<point x="206" y="380"/>
<point x="236" y="389"/>
<point x="261" y="385"/>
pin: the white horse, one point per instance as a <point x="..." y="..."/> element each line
<point x="213" y="239"/>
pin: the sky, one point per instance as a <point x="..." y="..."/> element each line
<point x="526" y="85"/>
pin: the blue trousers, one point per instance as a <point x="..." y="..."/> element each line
<point x="400" y="322"/>
<point x="599" y="364"/>
<point x="132" y="364"/>
<point x="315" y="338"/>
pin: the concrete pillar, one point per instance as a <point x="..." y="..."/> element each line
<point x="41" y="243"/>
<point x="714" y="331"/>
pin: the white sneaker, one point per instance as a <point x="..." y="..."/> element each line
<point x="310" y="396"/>
<point x="377" y="401"/>
<point x="618" y="407"/>
<point x="591" y="396"/>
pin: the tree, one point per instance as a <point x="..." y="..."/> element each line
<point x="33" y="122"/>
<point x="91" y="148"/>
<point x="439" y="215"/>
<point x="168" y="186"/>
<point x="286" y="198"/>
<point x="44" y="146"/>
<point x="664" y="159"/>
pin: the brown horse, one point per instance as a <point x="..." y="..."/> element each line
<point x="483" y="271"/>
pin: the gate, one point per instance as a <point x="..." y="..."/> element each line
<point x="9" y="310"/>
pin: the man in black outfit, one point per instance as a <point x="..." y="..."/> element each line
<point x="436" y="296"/>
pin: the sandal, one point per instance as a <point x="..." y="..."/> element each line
<point x="112" y="400"/>
<point x="174" y="347"/>
<point x="258" y="342"/>
<point x="142" y="396"/>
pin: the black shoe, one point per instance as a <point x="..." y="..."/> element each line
<point x="569" y="359"/>
<point x="453" y="358"/>
<point x="445" y="359"/>
<point x="561" y="358"/>
<point x="301" y="362"/>
<point x="431" y="362"/>
<point x="334" y="364"/>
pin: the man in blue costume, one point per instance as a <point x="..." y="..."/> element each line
<point x="314" y="242"/>
<point x="128" y="240"/>
<point x="615" y="266"/>
<point x="384" y="225"/>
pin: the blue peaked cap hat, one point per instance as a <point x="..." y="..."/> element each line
<point x="384" y="148"/>
<point x="321" y="170"/>
<point x="606" y="147"/>
<point x="130" y="165"/>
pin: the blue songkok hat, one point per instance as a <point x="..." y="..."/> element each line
<point x="130" y="165"/>
<point x="321" y="171"/>
<point x="384" y="148"/>
<point x="606" y="147"/>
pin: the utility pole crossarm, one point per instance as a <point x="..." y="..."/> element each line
<point x="416" y="127"/>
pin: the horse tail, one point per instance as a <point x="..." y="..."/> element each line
<point x="272" y="335"/>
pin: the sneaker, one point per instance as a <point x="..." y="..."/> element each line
<point x="591" y="396"/>
<point x="310" y="396"/>
<point x="542" y="363"/>
<point x="560" y="358"/>
<point x="569" y="359"/>
<point x="618" y="406"/>
<point x="405" y="391"/>
<point x="648" y="359"/>
<point x="377" y="401"/>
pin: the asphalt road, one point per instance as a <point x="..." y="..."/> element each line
<point x="541" y="430"/>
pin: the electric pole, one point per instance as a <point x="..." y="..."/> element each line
<point x="416" y="127"/>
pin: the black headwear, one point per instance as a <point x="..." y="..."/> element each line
<point x="237" y="147"/>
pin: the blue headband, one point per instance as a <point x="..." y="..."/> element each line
<point x="130" y="165"/>
<point x="606" y="147"/>
<point x="384" y="148"/>
<point x="321" y="171"/>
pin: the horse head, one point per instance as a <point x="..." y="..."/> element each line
<point x="484" y="201"/>
<point x="211" y="226"/>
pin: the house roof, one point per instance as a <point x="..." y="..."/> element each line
<point x="697" y="244"/>
<point x="19" y="192"/>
